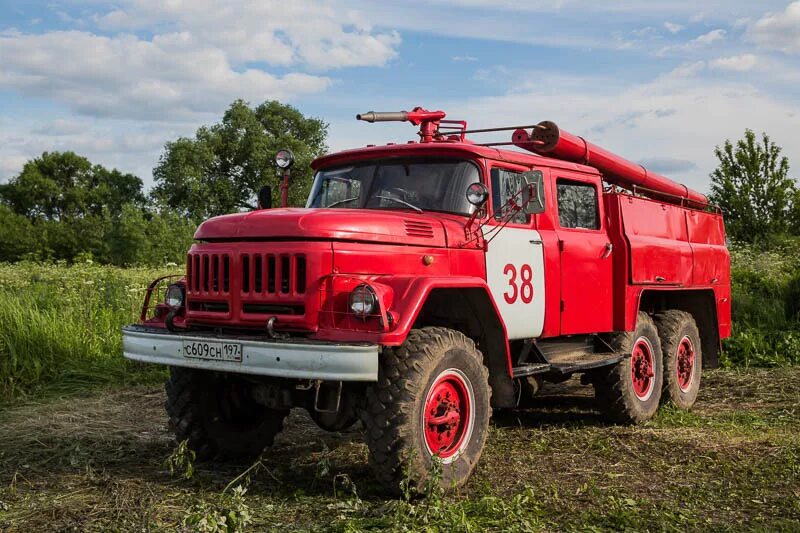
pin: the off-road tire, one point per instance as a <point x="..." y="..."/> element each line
<point x="614" y="387"/>
<point x="395" y="405"/>
<point x="677" y="327"/>
<point x="218" y="418"/>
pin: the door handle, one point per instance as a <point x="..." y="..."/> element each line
<point x="536" y="241"/>
<point x="608" y="250"/>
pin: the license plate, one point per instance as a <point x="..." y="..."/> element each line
<point x="213" y="351"/>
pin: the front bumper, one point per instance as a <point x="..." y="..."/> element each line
<point x="260" y="356"/>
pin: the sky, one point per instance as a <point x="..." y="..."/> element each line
<point x="659" y="82"/>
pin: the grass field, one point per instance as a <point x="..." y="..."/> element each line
<point x="60" y="326"/>
<point x="84" y="443"/>
<point x="97" y="463"/>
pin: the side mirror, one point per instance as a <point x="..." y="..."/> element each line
<point x="533" y="192"/>
<point x="265" y="197"/>
<point x="477" y="194"/>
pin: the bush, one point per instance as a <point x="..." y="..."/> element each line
<point x="766" y="303"/>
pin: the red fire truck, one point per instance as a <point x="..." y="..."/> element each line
<point x="427" y="283"/>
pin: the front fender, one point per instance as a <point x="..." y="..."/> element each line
<point x="409" y="294"/>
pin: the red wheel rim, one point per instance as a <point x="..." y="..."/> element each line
<point x="643" y="368"/>
<point x="684" y="363"/>
<point x="448" y="414"/>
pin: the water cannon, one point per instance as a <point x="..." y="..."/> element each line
<point x="428" y="121"/>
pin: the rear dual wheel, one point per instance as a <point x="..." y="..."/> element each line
<point x="683" y="358"/>
<point x="630" y="391"/>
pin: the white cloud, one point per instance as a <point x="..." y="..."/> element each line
<point x="678" y="119"/>
<point x="186" y="60"/>
<point x="11" y="165"/>
<point x="742" y="63"/>
<point x="697" y="43"/>
<point x="673" y="28"/>
<point x="172" y="75"/>
<point x="778" y="31"/>
<point x="687" y="70"/>
<point x="128" y="145"/>
<point x="460" y="59"/>
<point x="306" y="32"/>
<point x="710" y="37"/>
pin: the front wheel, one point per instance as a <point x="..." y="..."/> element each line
<point x="217" y="415"/>
<point x="630" y="391"/>
<point x="432" y="399"/>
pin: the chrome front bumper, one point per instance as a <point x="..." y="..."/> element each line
<point x="284" y="359"/>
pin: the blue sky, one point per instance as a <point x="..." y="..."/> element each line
<point x="659" y="82"/>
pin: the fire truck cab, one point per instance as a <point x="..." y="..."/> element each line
<point x="426" y="284"/>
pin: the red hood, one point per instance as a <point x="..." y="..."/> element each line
<point x="334" y="224"/>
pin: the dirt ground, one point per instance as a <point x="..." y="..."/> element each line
<point x="96" y="462"/>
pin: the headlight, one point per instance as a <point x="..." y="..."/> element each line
<point x="175" y="296"/>
<point x="363" y="301"/>
<point x="284" y="159"/>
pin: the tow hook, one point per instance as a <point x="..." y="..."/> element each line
<point x="271" y="329"/>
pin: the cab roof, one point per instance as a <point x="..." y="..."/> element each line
<point x="444" y="148"/>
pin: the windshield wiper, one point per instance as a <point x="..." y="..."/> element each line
<point x="344" y="201"/>
<point x="399" y="201"/>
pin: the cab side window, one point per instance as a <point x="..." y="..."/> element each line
<point x="577" y="205"/>
<point x="507" y="184"/>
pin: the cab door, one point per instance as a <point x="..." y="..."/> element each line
<point x="585" y="254"/>
<point x="514" y="258"/>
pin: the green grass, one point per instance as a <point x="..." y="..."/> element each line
<point x="98" y="462"/>
<point x="60" y="325"/>
<point x="766" y="306"/>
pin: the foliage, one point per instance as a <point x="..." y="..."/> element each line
<point x="232" y="514"/>
<point x="61" y="325"/>
<point x="61" y="207"/>
<point x="765" y="294"/>
<point x="181" y="460"/>
<point x="64" y="185"/>
<point x="220" y="170"/>
<point x="753" y="187"/>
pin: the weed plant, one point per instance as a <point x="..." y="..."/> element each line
<point x="60" y="325"/>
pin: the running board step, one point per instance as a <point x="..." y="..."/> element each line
<point x="530" y="369"/>
<point x="582" y="366"/>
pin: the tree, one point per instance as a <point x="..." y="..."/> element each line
<point x="17" y="235"/>
<point x="221" y="169"/>
<point x="63" y="185"/>
<point x="753" y="187"/>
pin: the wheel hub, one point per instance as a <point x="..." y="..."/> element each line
<point x="447" y="414"/>
<point x="642" y="368"/>
<point x="685" y="363"/>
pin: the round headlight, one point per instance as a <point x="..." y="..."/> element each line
<point x="175" y="296"/>
<point x="363" y="301"/>
<point x="477" y="194"/>
<point x="284" y="159"/>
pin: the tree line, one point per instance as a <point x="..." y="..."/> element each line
<point x="63" y="207"/>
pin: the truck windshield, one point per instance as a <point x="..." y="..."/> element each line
<point x="413" y="184"/>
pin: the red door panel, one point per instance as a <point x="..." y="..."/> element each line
<point x="586" y="259"/>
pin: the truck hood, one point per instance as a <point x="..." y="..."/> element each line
<point x="331" y="224"/>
